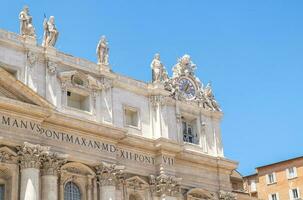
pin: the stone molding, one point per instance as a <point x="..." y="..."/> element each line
<point x="30" y="155"/>
<point x="109" y="174"/>
<point x="51" y="67"/>
<point x="165" y="185"/>
<point x="7" y="155"/>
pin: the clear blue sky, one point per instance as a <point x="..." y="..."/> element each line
<point x="251" y="51"/>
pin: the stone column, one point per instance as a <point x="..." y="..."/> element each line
<point x="30" y="162"/>
<point x="51" y="165"/>
<point x="108" y="176"/>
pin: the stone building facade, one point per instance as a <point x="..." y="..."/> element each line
<point x="277" y="181"/>
<point x="73" y="129"/>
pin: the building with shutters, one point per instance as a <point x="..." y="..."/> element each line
<point x="277" y="181"/>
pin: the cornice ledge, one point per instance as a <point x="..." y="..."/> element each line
<point x="164" y="144"/>
<point x="200" y="157"/>
<point x="34" y="111"/>
<point x="88" y="126"/>
<point x="137" y="141"/>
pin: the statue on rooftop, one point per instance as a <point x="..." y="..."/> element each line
<point x="159" y="73"/>
<point x="50" y="32"/>
<point x="26" y="26"/>
<point x="184" y="67"/>
<point x="102" y="51"/>
<point x="210" y="98"/>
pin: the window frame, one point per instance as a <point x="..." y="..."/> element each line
<point x="268" y="178"/>
<point x="291" y="193"/>
<point x="270" y="196"/>
<point x="295" y="175"/>
<point x="74" y="184"/>
<point x="80" y="93"/>
<point x="133" y="109"/>
<point x="194" y="129"/>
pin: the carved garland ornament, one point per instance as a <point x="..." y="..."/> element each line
<point x="165" y="185"/>
<point x="109" y="174"/>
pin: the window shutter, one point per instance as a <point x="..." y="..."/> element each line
<point x="274" y="175"/>
<point x="299" y="195"/>
<point x="267" y="179"/>
<point x="290" y="194"/>
<point x="269" y="197"/>
<point x="295" y="172"/>
<point x="277" y="194"/>
<point x="287" y="173"/>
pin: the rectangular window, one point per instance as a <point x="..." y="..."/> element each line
<point x="274" y="196"/>
<point x="294" y="194"/>
<point x="253" y="186"/>
<point x="189" y="133"/>
<point x="78" y="101"/>
<point x="2" y="191"/>
<point x="131" y="117"/>
<point x="271" y="178"/>
<point x="291" y="172"/>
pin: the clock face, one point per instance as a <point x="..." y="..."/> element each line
<point x="187" y="88"/>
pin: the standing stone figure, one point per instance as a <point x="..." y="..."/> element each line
<point x="102" y="51"/>
<point x="50" y="32"/>
<point x="26" y="26"/>
<point x="159" y="72"/>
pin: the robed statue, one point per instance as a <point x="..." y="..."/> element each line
<point x="50" y="32"/>
<point x="103" y="51"/>
<point x="26" y="26"/>
<point x="159" y="72"/>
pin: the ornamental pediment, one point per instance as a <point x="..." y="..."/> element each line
<point x="12" y="88"/>
<point x="80" y="80"/>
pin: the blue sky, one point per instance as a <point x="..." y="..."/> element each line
<point x="251" y="51"/>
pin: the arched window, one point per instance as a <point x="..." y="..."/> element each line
<point x="71" y="192"/>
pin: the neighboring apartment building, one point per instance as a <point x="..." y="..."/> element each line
<point x="277" y="181"/>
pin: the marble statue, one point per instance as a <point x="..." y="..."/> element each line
<point x="184" y="67"/>
<point x="210" y="98"/>
<point x="159" y="72"/>
<point x="102" y="51"/>
<point x="26" y="26"/>
<point x="50" y="32"/>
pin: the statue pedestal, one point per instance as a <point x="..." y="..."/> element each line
<point x="29" y="40"/>
<point x="50" y="51"/>
<point x="103" y="67"/>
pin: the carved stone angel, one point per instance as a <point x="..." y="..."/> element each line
<point x="26" y="26"/>
<point x="103" y="51"/>
<point x="159" y="72"/>
<point x="50" y="32"/>
<point x="184" y="67"/>
<point x="210" y="98"/>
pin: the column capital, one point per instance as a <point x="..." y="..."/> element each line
<point x="109" y="174"/>
<point x="223" y="195"/>
<point x="30" y="155"/>
<point x="165" y="185"/>
<point x="51" y="164"/>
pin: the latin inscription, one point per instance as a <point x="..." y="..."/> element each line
<point x="37" y="129"/>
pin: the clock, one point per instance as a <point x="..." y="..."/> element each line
<point x="187" y="88"/>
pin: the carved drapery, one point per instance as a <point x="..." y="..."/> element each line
<point x="109" y="174"/>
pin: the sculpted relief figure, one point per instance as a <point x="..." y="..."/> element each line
<point x="50" y="32"/>
<point x="184" y="67"/>
<point x="209" y="98"/>
<point x="26" y="26"/>
<point x="159" y="72"/>
<point x="102" y="51"/>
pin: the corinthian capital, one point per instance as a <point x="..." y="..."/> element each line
<point x="109" y="174"/>
<point x="51" y="163"/>
<point x="30" y="155"/>
<point x="165" y="185"/>
<point x="223" y="195"/>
